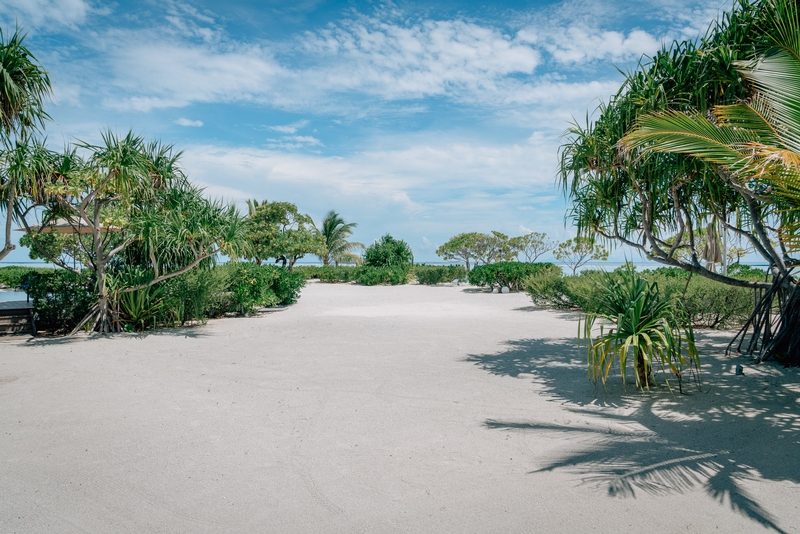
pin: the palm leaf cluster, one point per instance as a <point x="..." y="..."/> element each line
<point x="335" y="233"/>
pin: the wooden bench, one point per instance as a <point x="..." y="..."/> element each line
<point x="16" y="317"/>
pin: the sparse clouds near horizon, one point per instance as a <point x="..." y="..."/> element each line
<point x="410" y="118"/>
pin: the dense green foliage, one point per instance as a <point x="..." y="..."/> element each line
<point x="510" y="274"/>
<point x="438" y="274"/>
<point x="704" y="302"/>
<point x="366" y="275"/>
<point x="278" y="230"/>
<point x="253" y="286"/>
<point x="705" y="134"/>
<point x="14" y="276"/>
<point x="60" y="298"/>
<point x="644" y="328"/>
<point x="388" y="252"/>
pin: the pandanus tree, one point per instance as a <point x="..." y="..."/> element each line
<point x="135" y="208"/>
<point x="696" y="135"/>
<point x="334" y="231"/>
<point x="24" y="88"/>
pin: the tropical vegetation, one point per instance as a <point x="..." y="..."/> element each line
<point x="638" y="324"/>
<point x="704" y="133"/>
<point x="336" y="249"/>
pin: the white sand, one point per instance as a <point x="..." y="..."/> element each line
<point x="384" y="409"/>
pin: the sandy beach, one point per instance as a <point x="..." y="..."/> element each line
<point x="385" y="409"/>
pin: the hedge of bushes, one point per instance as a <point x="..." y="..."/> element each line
<point x="706" y="303"/>
<point x="510" y="274"/>
<point x="61" y="298"/>
<point x="13" y="276"/>
<point x="394" y="275"/>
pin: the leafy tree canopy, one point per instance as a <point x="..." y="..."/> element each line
<point x="278" y="230"/>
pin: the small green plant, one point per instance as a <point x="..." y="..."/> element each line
<point x="143" y="307"/>
<point x="644" y="330"/>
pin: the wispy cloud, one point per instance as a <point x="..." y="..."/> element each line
<point x="293" y="142"/>
<point x="45" y="13"/>
<point x="290" y="128"/>
<point x="188" y="122"/>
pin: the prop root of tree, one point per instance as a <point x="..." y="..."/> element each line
<point x="773" y="330"/>
<point x="103" y="318"/>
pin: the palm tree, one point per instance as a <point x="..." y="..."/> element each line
<point x="24" y="87"/>
<point x="335" y="232"/>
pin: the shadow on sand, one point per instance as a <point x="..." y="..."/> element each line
<point x="736" y="429"/>
<point x="193" y="332"/>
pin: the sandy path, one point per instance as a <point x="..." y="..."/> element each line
<point x="384" y="409"/>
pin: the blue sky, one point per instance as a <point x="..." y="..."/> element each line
<point x="421" y="119"/>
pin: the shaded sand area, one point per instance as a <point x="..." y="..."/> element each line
<point x="385" y="409"/>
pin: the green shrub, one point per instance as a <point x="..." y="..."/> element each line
<point x="60" y="299"/>
<point x="198" y="295"/>
<point x="373" y="276"/>
<point x="288" y="285"/>
<point x="14" y="276"/>
<point x="253" y="286"/>
<point x="438" y="274"/>
<point x="704" y="302"/>
<point x="715" y="305"/>
<point x="510" y="274"/>
<point x="388" y="252"/>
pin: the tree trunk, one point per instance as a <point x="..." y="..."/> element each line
<point x="771" y="332"/>
<point x="642" y="369"/>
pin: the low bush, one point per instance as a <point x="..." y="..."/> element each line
<point x="253" y="286"/>
<point x="14" y="276"/>
<point x="60" y="299"/>
<point x="510" y="274"/>
<point x="439" y="274"/>
<point x="706" y="303"/>
<point x="373" y="276"/>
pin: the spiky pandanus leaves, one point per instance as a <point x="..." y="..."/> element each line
<point x="756" y="142"/>
<point x="644" y="330"/>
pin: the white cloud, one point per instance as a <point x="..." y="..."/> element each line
<point x="45" y="13"/>
<point x="580" y="43"/>
<point x="188" y="122"/>
<point x="290" y="128"/>
<point x="293" y="142"/>
<point x="432" y="57"/>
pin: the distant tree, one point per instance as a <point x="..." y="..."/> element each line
<point x="278" y="230"/>
<point x="388" y="252"/>
<point x="531" y="245"/>
<point x="460" y="247"/>
<point x="494" y="247"/>
<point x="334" y="232"/>
<point x="24" y="87"/>
<point x="579" y="251"/>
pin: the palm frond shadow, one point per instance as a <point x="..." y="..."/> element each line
<point x="659" y="443"/>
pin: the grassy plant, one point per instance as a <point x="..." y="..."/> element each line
<point x="644" y="329"/>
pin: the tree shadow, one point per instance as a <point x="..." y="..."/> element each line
<point x="192" y="332"/>
<point x="736" y="428"/>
